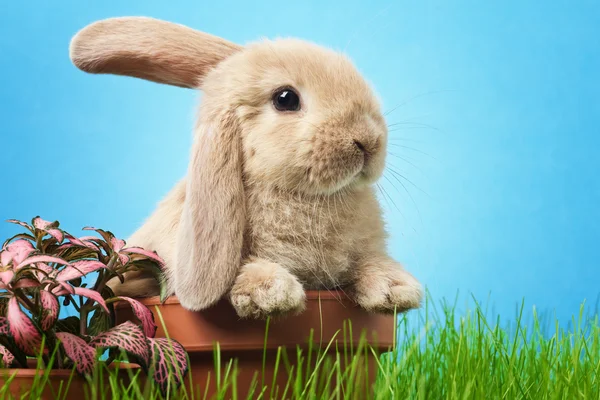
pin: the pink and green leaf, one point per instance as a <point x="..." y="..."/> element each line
<point x="25" y="334"/>
<point x="41" y="259"/>
<point x="81" y="353"/>
<point x="99" y="323"/>
<point x="42" y="271"/>
<point x="5" y="258"/>
<point x="63" y="289"/>
<point x="7" y="356"/>
<point x="49" y="227"/>
<point x="79" y="269"/>
<point x="50" y="309"/>
<point x="21" y="244"/>
<point x="23" y="236"/>
<point x="26" y="283"/>
<point x="73" y="241"/>
<point x="149" y="254"/>
<point x="168" y="362"/>
<point x="45" y="267"/>
<point x="69" y="325"/>
<point x="23" y="224"/>
<point x="42" y="224"/>
<point x="127" y="337"/>
<point x="106" y="235"/>
<point x="143" y="314"/>
<point x="6" y="277"/>
<point x="56" y="234"/>
<point x="4" y="329"/>
<point x="123" y="258"/>
<point x="16" y="252"/>
<point x="117" y="244"/>
<point x="91" y="294"/>
<point x="98" y="242"/>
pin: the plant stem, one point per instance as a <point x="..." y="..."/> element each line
<point x="77" y="308"/>
<point x="83" y="321"/>
<point x="38" y="242"/>
<point x="101" y="282"/>
<point x="99" y="285"/>
<point x="59" y="354"/>
<point x="26" y="301"/>
<point x="102" y="278"/>
<point x="59" y="358"/>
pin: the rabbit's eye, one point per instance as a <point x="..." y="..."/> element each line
<point x="286" y="100"/>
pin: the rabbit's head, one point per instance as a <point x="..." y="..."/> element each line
<point x="285" y="114"/>
<point x="308" y="121"/>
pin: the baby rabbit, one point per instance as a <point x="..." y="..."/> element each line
<point x="279" y="193"/>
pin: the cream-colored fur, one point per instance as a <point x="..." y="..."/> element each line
<point x="264" y="288"/>
<point x="273" y="201"/>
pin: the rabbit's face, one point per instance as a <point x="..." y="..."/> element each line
<point x="309" y="122"/>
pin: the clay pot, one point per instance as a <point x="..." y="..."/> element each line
<point x="244" y="340"/>
<point x="61" y="383"/>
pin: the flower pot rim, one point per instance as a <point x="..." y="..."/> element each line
<point x="336" y="295"/>
<point x="326" y="313"/>
<point x="33" y="370"/>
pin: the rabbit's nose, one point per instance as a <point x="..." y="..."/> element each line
<point x="366" y="152"/>
<point x="360" y="146"/>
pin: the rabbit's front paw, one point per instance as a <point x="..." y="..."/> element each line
<point x="385" y="288"/>
<point x="266" y="289"/>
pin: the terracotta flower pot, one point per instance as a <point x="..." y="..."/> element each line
<point x="244" y="340"/>
<point x="61" y="383"/>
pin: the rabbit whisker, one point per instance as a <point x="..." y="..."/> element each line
<point x="408" y="193"/>
<point x="406" y="161"/>
<point x="413" y="149"/>
<point x="411" y="124"/>
<point x="401" y="213"/>
<point x="387" y="195"/>
<point x="399" y="175"/>
<point x="414" y="98"/>
<point x="404" y="139"/>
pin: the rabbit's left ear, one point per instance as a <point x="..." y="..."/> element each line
<point x="148" y="48"/>
<point x="211" y="230"/>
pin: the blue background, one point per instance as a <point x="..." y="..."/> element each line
<point x="497" y="131"/>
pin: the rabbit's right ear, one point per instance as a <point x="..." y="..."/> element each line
<point x="148" y="48"/>
<point x="211" y="229"/>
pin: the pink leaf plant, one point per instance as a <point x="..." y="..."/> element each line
<point x="44" y="267"/>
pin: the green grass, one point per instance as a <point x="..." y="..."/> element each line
<point x="439" y="355"/>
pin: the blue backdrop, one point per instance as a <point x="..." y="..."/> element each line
<point x="496" y="130"/>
